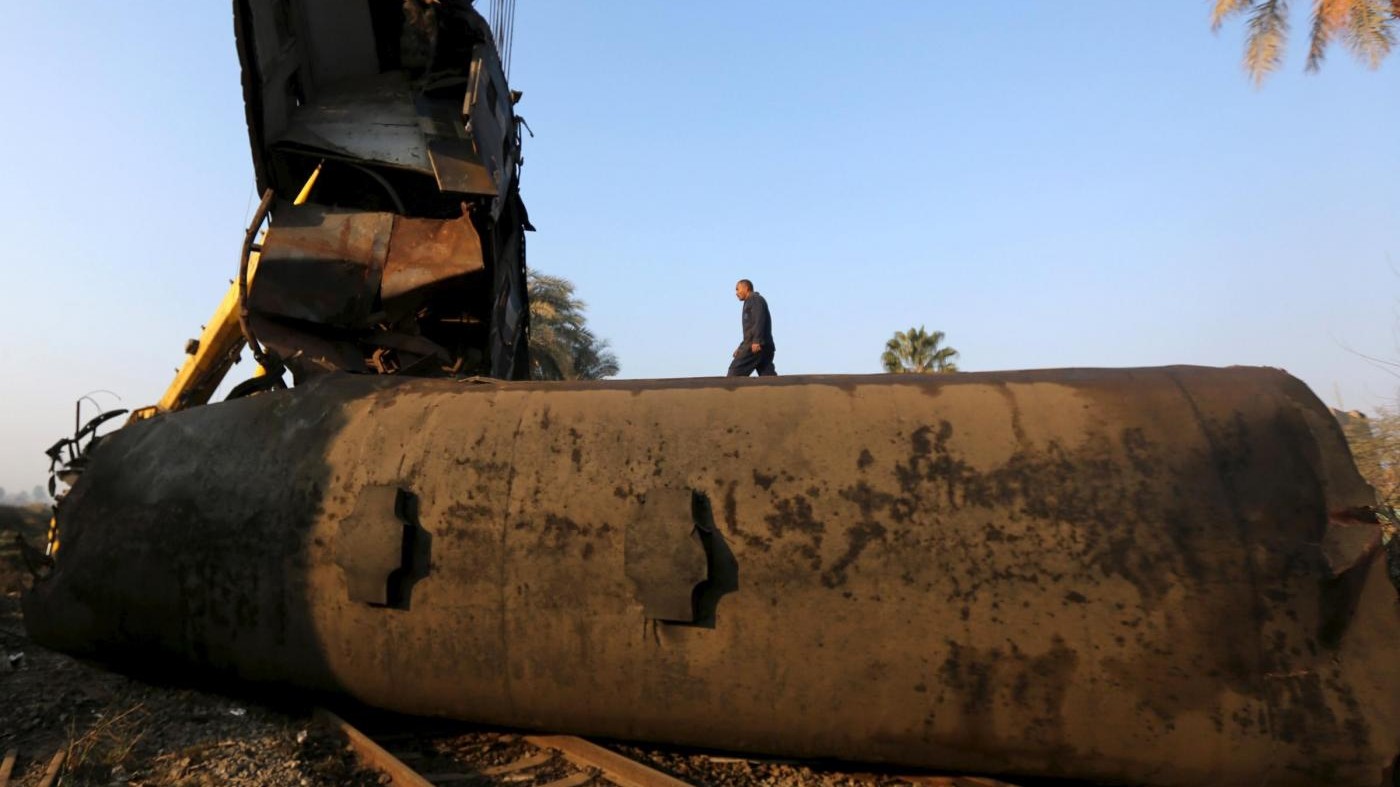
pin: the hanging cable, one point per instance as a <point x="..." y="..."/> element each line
<point x="498" y="25"/>
<point x="510" y="37"/>
<point x="501" y="18"/>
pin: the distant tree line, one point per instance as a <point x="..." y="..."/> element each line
<point x="21" y="498"/>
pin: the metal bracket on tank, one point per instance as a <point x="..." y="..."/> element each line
<point x="676" y="560"/>
<point x="664" y="556"/>
<point x="380" y="549"/>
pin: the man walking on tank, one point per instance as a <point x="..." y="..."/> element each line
<point x="755" y="353"/>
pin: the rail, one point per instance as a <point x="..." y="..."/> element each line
<point x="566" y="761"/>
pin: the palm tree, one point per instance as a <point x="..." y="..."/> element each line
<point x="1364" y="26"/>
<point x="561" y="346"/>
<point x="916" y="351"/>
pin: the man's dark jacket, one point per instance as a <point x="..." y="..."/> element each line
<point x="758" y="323"/>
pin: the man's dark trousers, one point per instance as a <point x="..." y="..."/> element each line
<point x="747" y="361"/>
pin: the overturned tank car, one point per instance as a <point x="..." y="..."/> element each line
<point x="1162" y="576"/>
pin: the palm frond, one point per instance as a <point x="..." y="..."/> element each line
<point x="561" y="345"/>
<point x="1224" y="9"/>
<point x="1366" y="27"/>
<point x="1368" y="32"/>
<point x="1268" y="31"/>
<point x="1328" y="17"/>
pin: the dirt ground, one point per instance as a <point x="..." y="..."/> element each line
<point x="117" y="730"/>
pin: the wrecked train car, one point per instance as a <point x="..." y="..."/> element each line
<point x="1147" y="576"/>
<point x="385" y="139"/>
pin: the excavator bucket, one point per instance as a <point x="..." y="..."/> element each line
<point x="1167" y="576"/>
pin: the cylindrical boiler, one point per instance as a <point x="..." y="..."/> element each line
<point x="1164" y="576"/>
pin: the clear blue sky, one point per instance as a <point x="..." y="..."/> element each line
<point x="1052" y="184"/>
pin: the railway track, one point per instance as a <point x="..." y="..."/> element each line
<point x="410" y="754"/>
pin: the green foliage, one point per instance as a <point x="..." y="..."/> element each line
<point x="917" y="351"/>
<point x="561" y="345"/>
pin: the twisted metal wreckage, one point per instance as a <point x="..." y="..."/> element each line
<point x="1166" y="576"/>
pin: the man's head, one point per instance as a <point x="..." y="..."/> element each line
<point x="743" y="289"/>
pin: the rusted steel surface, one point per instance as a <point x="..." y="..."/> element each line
<point x="398" y="85"/>
<point x="1126" y="575"/>
<point x="51" y="773"/>
<point x="335" y="268"/>
<point x="7" y="766"/>
<point x="954" y="782"/>
<point x="372" y="754"/>
<point x="620" y="770"/>
<point x="425" y="253"/>
<point x="338" y="289"/>
<point x="322" y="265"/>
<point x="370" y="119"/>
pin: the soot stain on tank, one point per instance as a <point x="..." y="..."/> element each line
<point x="794" y="515"/>
<point x="1111" y="503"/>
<point x="558" y="530"/>
<point x="983" y="679"/>
<point x="1089" y="487"/>
<point x="462" y="522"/>
<point x="857" y="538"/>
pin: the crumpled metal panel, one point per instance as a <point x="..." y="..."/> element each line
<point x="427" y="252"/>
<point x="370" y="119"/>
<point x="458" y="168"/>
<point x="307" y="354"/>
<point x="451" y="150"/>
<point x="321" y="265"/>
<point x="324" y="90"/>
<point x="1113" y="575"/>
<point x="493" y="125"/>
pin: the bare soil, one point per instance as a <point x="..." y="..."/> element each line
<point x="117" y="730"/>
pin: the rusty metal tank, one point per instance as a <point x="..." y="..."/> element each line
<point x="1162" y="576"/>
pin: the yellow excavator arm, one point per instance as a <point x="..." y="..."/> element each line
<point x="208" y="358"/>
